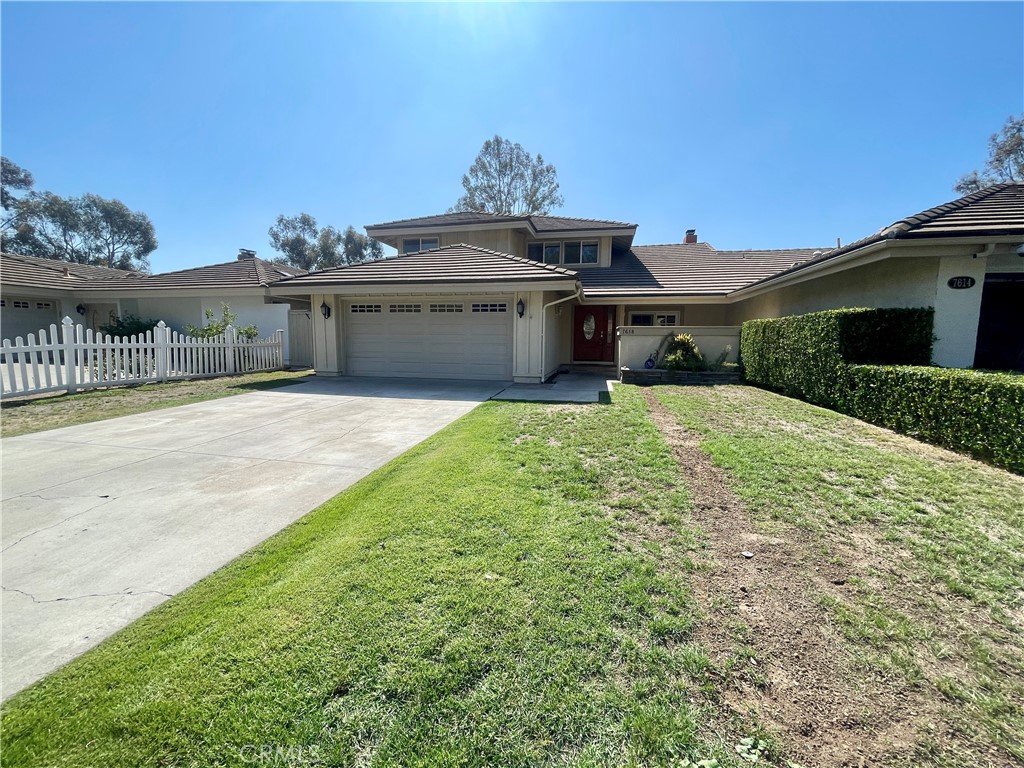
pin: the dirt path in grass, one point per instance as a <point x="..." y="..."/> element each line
<point x="773" y="648"/>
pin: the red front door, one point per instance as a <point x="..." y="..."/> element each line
<point x="593" y="334"/>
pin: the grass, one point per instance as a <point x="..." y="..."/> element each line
<point x="516" y="591"/>
<point x="20" y="417"/>
<point x="478" y="601"/>
<point x="941" y="601"/>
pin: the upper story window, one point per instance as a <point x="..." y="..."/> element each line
<point x="414" y="244"/>
<point x="568" y="252"/>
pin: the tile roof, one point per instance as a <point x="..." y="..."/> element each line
<point x="451" y="264"/>
<point x="694" y="269"/>
<point x="29" y="271"/>
<point x="241" y="273"/>
<point x="991" y="212"/>
<point x="540" y="223"/>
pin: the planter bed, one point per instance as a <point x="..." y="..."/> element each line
<point x="647" y="376"/>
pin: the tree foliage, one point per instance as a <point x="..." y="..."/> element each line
<point x="505" y="178"/>
<point x="12" y="177"/>
<point x="215" y="327"/>
<point x="86" y="230"/>
<point x="1005" y="159"/>
<point x="303" y="244"/>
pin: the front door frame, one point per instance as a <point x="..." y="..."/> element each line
<point x="611" y="321"/>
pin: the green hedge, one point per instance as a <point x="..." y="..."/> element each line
<point x="819" y="358"/>
<point x="806" y="356"/>
<point x="976" y="412"/>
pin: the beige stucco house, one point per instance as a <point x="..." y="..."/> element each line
<point x="478" y="295"/>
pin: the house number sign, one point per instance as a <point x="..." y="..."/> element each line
<point x="960" y="282"/>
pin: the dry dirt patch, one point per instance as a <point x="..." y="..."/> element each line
<point x="779" y="658"/>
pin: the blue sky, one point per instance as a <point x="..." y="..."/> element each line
<point x="760" y="125"/>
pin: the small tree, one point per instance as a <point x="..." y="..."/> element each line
<point x="504" y="178"/>
<point x="1005" y="159"/>
<point x="215" y="327"/>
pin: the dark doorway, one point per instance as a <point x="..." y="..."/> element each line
<point x="593" y="334"/>
<point x="1001" y="324"/>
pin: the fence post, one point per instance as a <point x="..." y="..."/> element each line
<point x="229" y="354"/>
<point x="279" y="338"/>
<point x="70" y="363"/>
<point x="161" y="337"/>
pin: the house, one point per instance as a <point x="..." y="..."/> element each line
<point x="35" y="293"/>
<point x="489" y="296"/>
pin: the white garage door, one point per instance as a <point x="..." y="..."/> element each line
<point x="22" y="316"/>
<point x="440" y="338"/>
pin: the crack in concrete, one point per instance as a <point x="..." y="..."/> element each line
<point x="106" y="500"/>
<point x="123" y="593"/>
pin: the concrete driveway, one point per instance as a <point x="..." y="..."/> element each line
<point x="103" y="521"/>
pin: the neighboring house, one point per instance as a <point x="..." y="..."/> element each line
<point x="478" y="295"/>
<point x="35" y="293"/>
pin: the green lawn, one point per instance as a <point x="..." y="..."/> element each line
<point x="520" y="590"/>
<point x="20" y="417"/>
<point x="468" y="604"/>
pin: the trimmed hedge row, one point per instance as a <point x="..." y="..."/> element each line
<point x="975" y="412"/>
<point x="820" y="358"/>
<point x="806" y="355"/>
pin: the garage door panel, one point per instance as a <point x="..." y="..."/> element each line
<point x="444" y="344"/>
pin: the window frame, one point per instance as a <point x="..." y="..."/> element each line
<point x="537" y="250"/>
<point x="435" y="239"/>
<point x="655" y="315"/>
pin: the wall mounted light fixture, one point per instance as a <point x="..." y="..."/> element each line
<point x="521" y="307"/>
<point x="325" y="311"/>
<point x="80" y="309"/>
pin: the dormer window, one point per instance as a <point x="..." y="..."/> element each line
<point x="414" y="244"/>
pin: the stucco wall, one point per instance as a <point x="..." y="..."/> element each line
<point x="897" y="282"/>
<point x="636" y="343"/>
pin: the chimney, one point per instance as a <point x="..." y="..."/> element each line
<point x="691" y="236"/>
<point x="244" y="254"/>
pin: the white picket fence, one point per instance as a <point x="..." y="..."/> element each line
<point x="72" y="358"/>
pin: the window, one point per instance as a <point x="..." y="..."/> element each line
<point x="445" y="307"/>
<point x="654" y="318"/>
<point x="44" y="305"/>
<point x="18" y="304"/>
<point x="414" y="244"/>
<point x="569" y="252"/>
<point x="365" y="309"/>
<point x="502" y="307"/>
<point x="404" y="308"/>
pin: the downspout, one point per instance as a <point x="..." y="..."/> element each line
<point x="543" y="325"/>
<point x="986" y="251"/>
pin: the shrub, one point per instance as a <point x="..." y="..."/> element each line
<point x="128" y="325"/>
<point x="976" y="412"/>
<point x="819" y="357"/>
<point x="215" y="327"/>
<point x="683" y="354"/>
<point x="806" y="356"/>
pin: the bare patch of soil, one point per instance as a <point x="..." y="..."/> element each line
<point x="772" y="642"/>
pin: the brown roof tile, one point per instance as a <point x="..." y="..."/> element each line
<point x="991" y="212"/>
<point x="29" y="271"/>
<point x="450" y="264"/>
<point x="685" y="270"/>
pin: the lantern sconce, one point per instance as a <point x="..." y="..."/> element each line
<point x="521" y="307"/>
<point x="325" y="311"/>
<point x="80" y="309"/>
